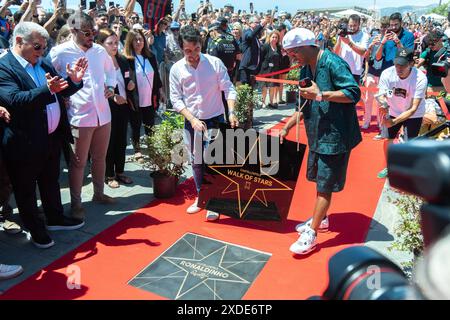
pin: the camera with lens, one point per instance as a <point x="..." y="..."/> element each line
<point x="343" y="29"/>
<point x="440" y="69"/>
<point x="420" y="167"/>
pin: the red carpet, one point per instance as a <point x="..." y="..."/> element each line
<point x="109" y="260"/>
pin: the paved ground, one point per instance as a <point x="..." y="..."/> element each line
<point x="16" y="249"/>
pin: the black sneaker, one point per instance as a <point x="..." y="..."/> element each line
<point x="282" y="102"/>
<point x="42" y="241"/>
<point x="65" y="223"/>
<point x="272" y="106"/>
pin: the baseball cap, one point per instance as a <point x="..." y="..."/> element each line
<point x="299" y="37"/>
<point x="404" y="56"/>
<point x="175" y="25"/>
<point x="214" y="26"/>
<point x="222" y="20"/>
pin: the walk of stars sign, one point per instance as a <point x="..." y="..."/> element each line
<point x="253" y="190"/>
<point x="201" y="268"/>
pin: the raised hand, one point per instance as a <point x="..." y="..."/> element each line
<point x="76" y="73"/>
<point x="4" y="114"/>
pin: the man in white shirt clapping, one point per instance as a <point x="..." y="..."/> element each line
<point x="88" y="109"/>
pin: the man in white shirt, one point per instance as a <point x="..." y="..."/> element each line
<point x="88" y="110"/>
<point x="403" y="88"/>
<point x="352" y="47"/>
<point x="196" y="85"/>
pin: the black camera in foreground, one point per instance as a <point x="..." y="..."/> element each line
<point x="420" y="167"/>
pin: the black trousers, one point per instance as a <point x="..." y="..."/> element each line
<point x="144" y="115"/>
<point x="246" y="77"/>
<point x="225" y="105"/>
<point x="42" y="170"/>
<point x="115" y="157"/>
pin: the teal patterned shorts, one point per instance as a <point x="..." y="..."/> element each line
<point x="328" y="171"/>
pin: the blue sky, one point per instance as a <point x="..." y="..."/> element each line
<point x="287" y="5"/>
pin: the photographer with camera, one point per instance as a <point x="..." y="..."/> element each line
<point x="352" y="44"/>
<point x="373" y="70"/>
<point x="403" y="88"/>
<point x="433" y="54"/>
<point x="396" y="37"/>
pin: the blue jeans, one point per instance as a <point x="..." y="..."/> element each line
<point x="191" y="138"/>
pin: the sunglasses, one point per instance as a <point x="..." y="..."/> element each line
<point x="37" y="47"/>
<point x="87" y="33"/>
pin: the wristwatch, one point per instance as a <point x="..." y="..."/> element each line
<point x="231" y="113"/>
<point x="319" y="96"/>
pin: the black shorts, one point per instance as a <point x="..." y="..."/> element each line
<point x="412" y="127"/>
<point x="328" y="171"/>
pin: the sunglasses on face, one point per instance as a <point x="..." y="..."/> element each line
<point x="87" y="33"/>
<point x="37" y="47"/>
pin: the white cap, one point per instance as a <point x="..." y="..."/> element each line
<point x="137" y="26"/>
<point x="299" y="37"/>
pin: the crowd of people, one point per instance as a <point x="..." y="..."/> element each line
<point x="71" y="82"/>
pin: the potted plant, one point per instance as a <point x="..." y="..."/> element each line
<point x="166" y="154"/>
<point x="292" y="90"/>
<point x="245" y="102"/>
<point x="408" y="230"/>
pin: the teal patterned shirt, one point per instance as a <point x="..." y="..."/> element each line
<point x="331" y="127"/>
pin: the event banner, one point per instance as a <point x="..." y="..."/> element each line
<point x="251" y="176"/>
<point x="153" y="10"/>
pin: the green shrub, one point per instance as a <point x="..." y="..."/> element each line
<point x="165" y="147"/>
<point x="246" y="99"/>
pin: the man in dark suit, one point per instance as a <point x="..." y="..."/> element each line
<point x="251" y="51"/>
<point x="32" y="92"/>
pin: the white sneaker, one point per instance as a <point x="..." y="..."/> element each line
<point x="9" y="271"/>
<point x="212" y="216"/>
<point x="306" y="242"/>
<point x="194" y="208"/>
<point x="323" y="227"/>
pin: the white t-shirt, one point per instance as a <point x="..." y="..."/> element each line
<point x="144" y="79"/>
<point x="404" y="91"/>
<point x="354" y="60"/>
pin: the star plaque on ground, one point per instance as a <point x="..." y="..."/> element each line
<point x="200" y="268"/>
<point x="250" y="188"/>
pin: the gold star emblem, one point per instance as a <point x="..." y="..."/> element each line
<point x="248" y="184"/>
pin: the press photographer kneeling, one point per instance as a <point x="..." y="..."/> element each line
<point x="402" y="90"/>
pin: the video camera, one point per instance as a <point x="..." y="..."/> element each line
<point x="420" y="167"/>
<point x="343" y="30"/>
